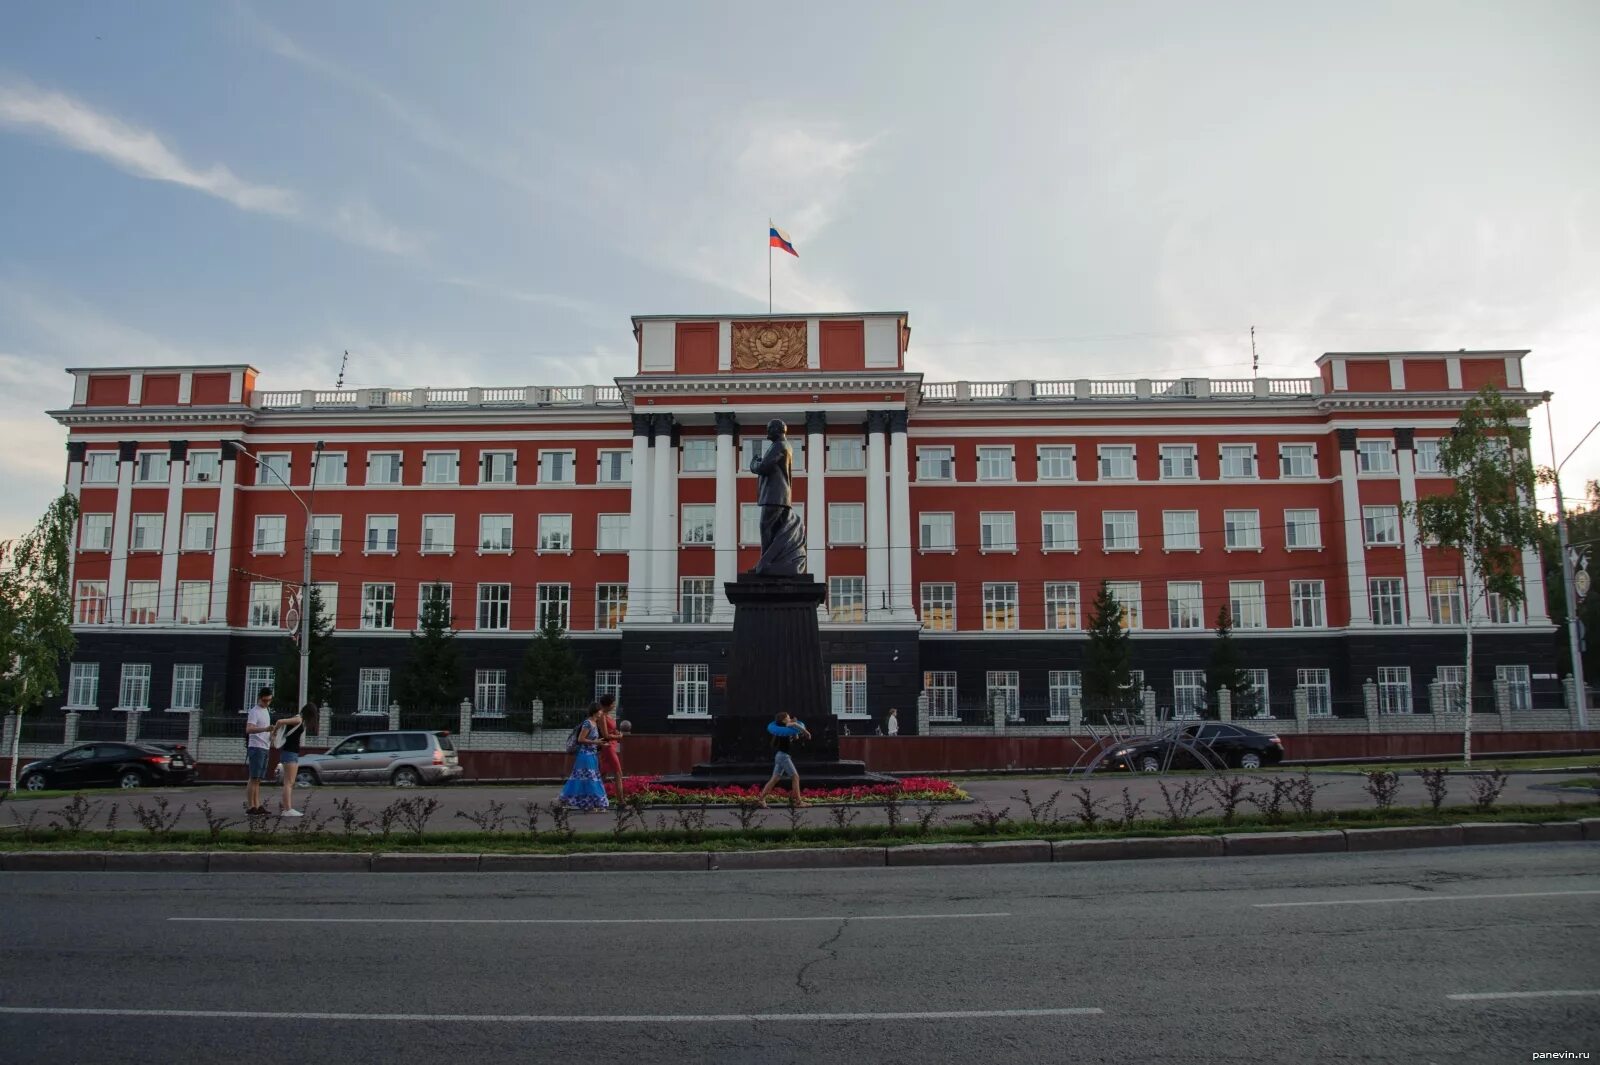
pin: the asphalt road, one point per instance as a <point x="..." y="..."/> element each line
<point x="1170" y="961"/>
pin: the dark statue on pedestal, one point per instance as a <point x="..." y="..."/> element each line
<point x="783" y="539"/>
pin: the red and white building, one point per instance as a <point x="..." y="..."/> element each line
<point x="962" y="527"/>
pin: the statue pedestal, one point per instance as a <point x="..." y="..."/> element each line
<point x="775" y="664"/>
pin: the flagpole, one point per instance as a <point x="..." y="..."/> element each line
<point x="769" y="266"/>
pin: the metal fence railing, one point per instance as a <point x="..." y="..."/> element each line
<point x="43" y="728"/>
<point x="102" y="725"/>
<point x="162" y="727"/>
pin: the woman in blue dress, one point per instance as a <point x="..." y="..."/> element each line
<point x="585" y="790"/>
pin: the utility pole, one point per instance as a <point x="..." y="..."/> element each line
<point x="1574" y="645"/>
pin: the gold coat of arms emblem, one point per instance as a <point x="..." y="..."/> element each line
<point x="769" y="345"/>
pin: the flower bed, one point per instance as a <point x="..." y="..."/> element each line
<point x="909" y="789"/>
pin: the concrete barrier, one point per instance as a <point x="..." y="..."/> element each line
<point x="1402" y="838"/>
<point x="401" y="862"/>
<point x="40" y="861"/>
<point x="1499" y="832"/>
<point x="1022" y="850"/>
<point x="1110" y="850"/>
<point x="523" y="863"/>
<point x="157" y="862"/>
<point x="640" y="861"/>
<point x="289" y="862"/>
<point x="810" y="858"/>
<point x="1257" y="843"/>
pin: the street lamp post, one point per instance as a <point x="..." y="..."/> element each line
<point x="1567" y="580"/>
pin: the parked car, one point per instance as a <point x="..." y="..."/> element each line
<point x="105" y="764"/>
<point x="1232" y="745"/>
<point x="403" y="759"/>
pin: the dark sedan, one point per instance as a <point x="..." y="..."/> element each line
<point x="107" y="765"/>
<point x="1208" y="745"/>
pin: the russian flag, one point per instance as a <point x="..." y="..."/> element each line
<point x="780" y="239"/>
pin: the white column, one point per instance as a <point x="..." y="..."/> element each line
<point x="75" y="454"/>
<point x="1537" y="610"/>
<point x="663" y="600"/>
<point x="816" y="496"/>
<point x="640" y="479"/>
<point x="726" y="538"/>
<point x="1416" y="581"/>
<point x="167" y="595"/>
<point x="877" y="517"/>
<point x="1355" y="548"/>
<point x="900" y="599"/>
<point x="120" y="534"/>
<point x="222" y="553"/>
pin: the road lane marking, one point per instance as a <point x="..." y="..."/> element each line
<point x="1489" y="996"/>
<point x="562" y="1018"/>
<point x="586" y="920"/>
<point x="1421" y="898"/>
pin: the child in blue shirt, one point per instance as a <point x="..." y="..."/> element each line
<point x="783" y="729"/>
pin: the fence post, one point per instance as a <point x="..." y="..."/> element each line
<point x="69" y="733"/>
<point x="466" y="716"/>
<point x="1502" y="696"/>
<point x="1149" y="706"/>
<point x="1436" y="697"/>
<point x="394" y="717"/>
<point x="325" y="723"/>
<point x="922" y="713"/>
<point x="538" y="713"/>
<point x="131" y="727"/>
<point x="998" y="712"/>
<point x="1569" y="688"/>
<point x="1369" y="698"/>
<point x="1302" y="707"/>
<point x="1224" y="704"/>
<point x="1074" y="712"/>
<point x="194" y="733"/>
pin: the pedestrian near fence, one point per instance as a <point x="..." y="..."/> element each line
<point x="257" y="744"/>
<point x="610" y="744"/>
<point x="584" y="789"/>
<point x="293" y="732"/>
<point x="783" y="729"/>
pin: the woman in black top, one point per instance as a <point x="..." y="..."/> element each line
<point x="289" y="753"/>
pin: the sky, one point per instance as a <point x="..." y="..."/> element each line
<point x="483" y="193"/>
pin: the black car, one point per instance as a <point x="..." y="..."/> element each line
<point x="1211" y="745"/>
<point x="106" y="764"/>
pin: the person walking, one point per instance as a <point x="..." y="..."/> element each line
<point x="610" y="744"/>
<point x="257" y="743"/>
<point x="584" y="790"/>
<point x="892" y="726"/>
<point x="294" y="730"/>
<point x="783" y="729"/>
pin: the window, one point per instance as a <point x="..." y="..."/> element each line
<point x="329" y="468"/>
<point x="1247" y="602"/>
<point x="1374" y="456"/>
<point x="91" y="599"/>
<point x="554" y="605"/>
<point x="383" y="534"/>
<point x="610" y="606"/>
<point x="846" y="453"/>
<point x="1297" y="460"/>
<point x="142" y="602"/>
<point x="442" y="592"/>
<point x="936" y="464"/>
<point x="846" y="524"/>
<point x="384" y="467"/>
<point x="999" y="607"/>
<point x="273" y="469"/>
<point x="1238" y="460"/>
<point x="997" y="530"/>
<point x="1382" y="525"/>
<point x="938" y="530"/>
<point x="1180" y="530"/>
<point x="847" y="599"/>
<point x="199" y="532"/>
<point x="203" y="467"/>
<point x="494" y="606"/>
<point x="326" y="531"/>
<point x="1002" y="691"/>
<point x="1060" y="529"/>
<point x="256" y="678"/>
<point x="612" y="532"/>
<point x="696" y="599"/>
<point x="83" y="686"/>
<point x="749" y="523"/>
<point x="1061" y="608"/>
<point x="691" y="690"/>
<point x="1116" y="462"/>
<point x="134" y="693"/>
<point x="555" y="532"/>
<point x="1428" y="456"/>
<point x="440" y="467"/>
<point x="1503" y="610"/>
<point x="1188" y="692"/>
<point x="1058" y="463"/>
<point x="186" y="687"/>
<point x="438" y="534"/>
<point x="1302" y="529"/>
<point x="494" y="533"/>
<point x="327" y="593"/>
<point x="1394" y="689"/>
<point x="377" y="606"/>
<point x="1241" y="529"/>
<point x="269" y="534"/>
<point x="1120" y="530"/>
<point x="615" y="467"/>
<point x="1519" y="685"/>
<point x="96" y="532"/>
<point x="1452" y="681"/>
<point x="266" y="604"/>
<point x="608" y="682"/>
<point x="100" y="467"/>
<point x="1319" y="690"/>
<point x="699" y="522"/>
<point x="147" y="530"/>
<point x="1065" y="685"/>
<point x="996" y="464"/>
<point x="373" y="696"/>
<point x="1444" y="600"/>
<point x="940" y="687"/>
<point x="1185" y="605"/>
<point x="194" y="602"/>
<point x="1128" y="595"/>
<point x="938" y="607"/>
<point x="153" y="467"/>
<point x="797" y="455"/>
<point x="497" y="467"/>
<point x="850" y="691"/>
<point x="1177" y="462"/>
<point x="1307" y="605"/>
<point x="1259" y="698"/>
<point x="489" y="692"/>
<point x="698" y="455"/>
<point x="1388" y="598"/>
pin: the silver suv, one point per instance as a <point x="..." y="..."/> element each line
<point x="403" y="759"/>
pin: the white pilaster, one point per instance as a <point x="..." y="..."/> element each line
<point x="816" y="496"/>
<point x="726" y="538"/>
<point x="639" y="517"/>
<point x="167" y="595"/>
<point x="877" y="517"/>
<point x="75" y="453"/>
<point x="725" y="345"/>
<point x="1537" y="609"/>
<point x="1416" y="582"/>
<point x="1355" y="548"/>
<point x="222" y="553"/>
<point x="120" y="532"/>
<point x="900" y="602"/>
<point x="663" y="599"/>
<point x="813" y="343"/>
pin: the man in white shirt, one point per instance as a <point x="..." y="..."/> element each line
<point x="893" y="728"/>
<point x="257" y="742"/>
